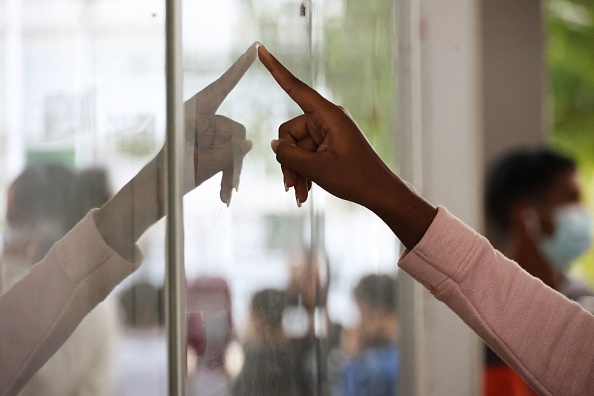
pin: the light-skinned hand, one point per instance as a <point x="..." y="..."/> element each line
<point x="215" y="143"/>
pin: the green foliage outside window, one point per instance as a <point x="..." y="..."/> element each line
<point x="570" y="56"/>
<point x="359" y="68"/>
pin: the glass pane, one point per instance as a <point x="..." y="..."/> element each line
<point x="86" y="113"/>
<point x="271" y="302"/>
<point x="271" y="284"/>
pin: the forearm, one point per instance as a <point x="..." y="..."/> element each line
<point x="136" y="207"/>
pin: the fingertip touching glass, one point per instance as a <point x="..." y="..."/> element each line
<point x="282" y="297"/>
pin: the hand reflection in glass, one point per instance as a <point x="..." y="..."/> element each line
<point x="212" y="144"/>
<point x="215" y="143"/>
<point x="83" y="269"/>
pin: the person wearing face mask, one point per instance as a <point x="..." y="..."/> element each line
<point x="535" y="217"/>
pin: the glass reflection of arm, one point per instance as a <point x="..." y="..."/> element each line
<point x="39" y="313"/>
<point x="213" y="144"/>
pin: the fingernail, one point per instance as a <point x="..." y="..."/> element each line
<point x="286" y="187"/>
<point x="323" y="147"/>
<point x="298" y="203"/>
<point x="226" y="195"/>
<point x="274" y="145"/>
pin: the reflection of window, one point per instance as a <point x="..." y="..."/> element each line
<point x="62" y="116"/>
<point x="67" y="114"/>
<point x="134" y="133"/>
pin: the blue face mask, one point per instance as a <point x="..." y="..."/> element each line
<point x="571" y="238"/>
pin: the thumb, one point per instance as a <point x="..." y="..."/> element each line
<point x="295" y="158"/>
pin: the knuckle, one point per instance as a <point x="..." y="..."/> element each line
<point x="280" y="153"/>
<point x="284" y="126"/>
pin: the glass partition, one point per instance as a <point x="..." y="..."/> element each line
<point x="280" y="298"/>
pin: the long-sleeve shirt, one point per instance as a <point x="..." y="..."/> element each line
<point x="541" y="334"/>
<point x="41" y="311"/>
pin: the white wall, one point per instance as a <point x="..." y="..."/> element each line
<point x="441" y="123"/>
<point x="515" y="77"/>
<point x="452" y="171"/>
<point x="471" y="85"/>
<point x="440" y="152"/>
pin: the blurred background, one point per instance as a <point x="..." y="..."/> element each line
<point x="440" y="89"/>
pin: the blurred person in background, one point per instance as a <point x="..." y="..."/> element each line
<point x="269" y="367"/>
<point x="374" y="368"/>
<point x="535" y="216"/>
<point x="312" y="335"/>
<point x="44" y="202"/>
<point x="92" y="189"/>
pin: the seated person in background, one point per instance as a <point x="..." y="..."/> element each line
<point x="536" y="218"/>
<point x="40" y="312"/>
<point x="374" y="369"/>
<point x="269" y="366"/>
<point x="44" y="202"/>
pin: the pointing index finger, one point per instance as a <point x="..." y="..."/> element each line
<point x="305" y="96"/>
<point x="211" y="97"/>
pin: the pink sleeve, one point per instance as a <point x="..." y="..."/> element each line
<point x="41" y="311"/>
<point x="545" y="337"/>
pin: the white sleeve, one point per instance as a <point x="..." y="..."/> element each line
<point x="41" y="311"/>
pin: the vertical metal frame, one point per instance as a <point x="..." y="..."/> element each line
<point x="316" y="216"/>
<point x="410" y="165"/>
<point x="175" y="282"/>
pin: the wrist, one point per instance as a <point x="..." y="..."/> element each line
<point x="406" y="213"/>
<point x="148" y="195"/>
